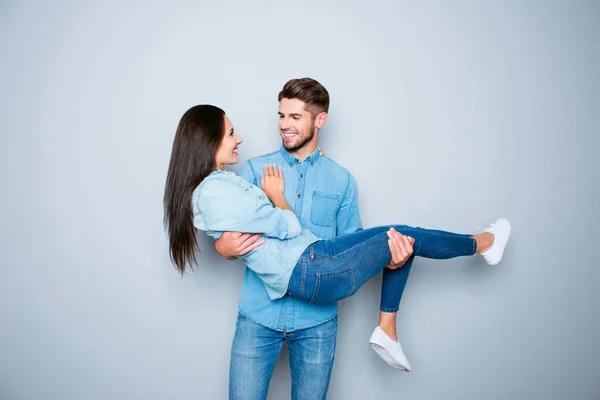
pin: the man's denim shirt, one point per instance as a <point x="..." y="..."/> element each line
<point x="225" y="201"/>
<point x="324" y="197"/>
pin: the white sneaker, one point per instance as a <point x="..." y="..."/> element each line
<point x="390" y="351"/>
<point x="501" y="231"/>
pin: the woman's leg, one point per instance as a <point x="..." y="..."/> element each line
<point x="333" y="269"/>
<point x="392" y="288"/>
<point x="336" y="268"/>
<point x="384" y="339"/>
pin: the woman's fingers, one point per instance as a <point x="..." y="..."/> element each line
<point x="273" y="170"/>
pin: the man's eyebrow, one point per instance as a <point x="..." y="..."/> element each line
<point x="291" y="114"/>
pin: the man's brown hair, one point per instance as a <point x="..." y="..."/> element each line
<point x="309" y="91"/>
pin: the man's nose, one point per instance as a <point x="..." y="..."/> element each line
<point x="284" y="124"/>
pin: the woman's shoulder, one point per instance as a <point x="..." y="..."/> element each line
<point x="221" y="182"/>
<point x="223" y="190"/>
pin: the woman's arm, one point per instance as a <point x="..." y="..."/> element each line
<point x="229" y="203"/>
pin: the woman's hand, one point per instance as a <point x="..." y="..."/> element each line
<point x="272" y="184"/>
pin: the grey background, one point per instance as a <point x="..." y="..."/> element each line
<point x="449" y="114"/>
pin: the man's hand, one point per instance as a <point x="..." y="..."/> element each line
<point x="234" y="244"/>
<point x="401" y="247"/>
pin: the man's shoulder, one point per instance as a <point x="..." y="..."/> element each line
<point x="336" y="171"/>
<point x="328" y="163"/>
<point x="338" y="178"/>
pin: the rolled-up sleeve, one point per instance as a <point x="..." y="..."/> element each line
<point x="227" y="205"/>
<point x="293" y="224"/>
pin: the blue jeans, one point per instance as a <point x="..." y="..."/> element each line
<point x="255" y="351"/>
<point x="333" y="269"/>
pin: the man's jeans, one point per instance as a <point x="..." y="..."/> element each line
<point x="255" y="351"/>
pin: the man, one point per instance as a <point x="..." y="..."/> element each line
<point x="324" y="197"/>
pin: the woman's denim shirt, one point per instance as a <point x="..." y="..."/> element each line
<point x="226" y="202"/>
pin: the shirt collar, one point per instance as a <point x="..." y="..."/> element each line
<point x="291" y="160"/>
<point x="221" y="171"/>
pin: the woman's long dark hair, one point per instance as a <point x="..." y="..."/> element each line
<point x="197" y="139"/>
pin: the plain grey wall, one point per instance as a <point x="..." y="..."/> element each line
<point x="449" y="114"/>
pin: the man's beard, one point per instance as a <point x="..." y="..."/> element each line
<point x="302" y="142"/>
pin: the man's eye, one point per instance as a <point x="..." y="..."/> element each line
<point x="296" y="117"/>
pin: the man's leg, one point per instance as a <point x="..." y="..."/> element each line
<point x="254" y="353"/>
<point x="311" y="354"/>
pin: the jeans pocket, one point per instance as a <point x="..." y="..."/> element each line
<point x="333" y="286"/>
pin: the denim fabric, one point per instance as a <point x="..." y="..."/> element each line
<point x="227" y="202"/>
<point x="333" y="269"/>
<point x="255" y="350"/>
<point x="324" y="197"/>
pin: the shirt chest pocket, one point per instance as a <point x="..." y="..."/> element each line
<point x="324" y="208"/>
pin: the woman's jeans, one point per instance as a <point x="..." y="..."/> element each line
<point x="333" y="269"/>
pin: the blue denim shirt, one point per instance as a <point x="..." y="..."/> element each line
<point x="227" y="202"/>
<point x="324" y="197"/>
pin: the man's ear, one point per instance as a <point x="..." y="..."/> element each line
<point x="320" y="120"/>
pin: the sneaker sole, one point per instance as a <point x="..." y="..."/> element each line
<point x="391" y="361"/>
<point x="505" y="244"/>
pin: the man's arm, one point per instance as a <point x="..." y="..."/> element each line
<point x="235" y="244"/>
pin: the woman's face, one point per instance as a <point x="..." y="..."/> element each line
<point x="227" y="151"/>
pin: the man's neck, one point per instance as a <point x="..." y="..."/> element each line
<point x="305" y="151"/>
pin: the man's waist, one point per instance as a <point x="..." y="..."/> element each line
<point x="286" y="313"/>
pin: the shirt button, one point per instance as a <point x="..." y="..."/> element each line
<point x="299" y="195"/>
<point x="301" y="176"/>
<point x="297" y="161"/>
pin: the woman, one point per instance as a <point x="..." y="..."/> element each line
<point x="200" y="194"/>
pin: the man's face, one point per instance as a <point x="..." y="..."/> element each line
<point x="296" y="125"/>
